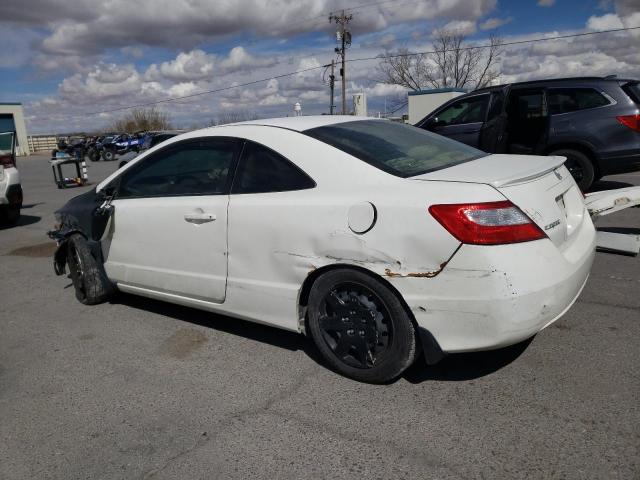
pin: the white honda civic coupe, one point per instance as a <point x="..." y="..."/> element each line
<point x="380" y="241"/>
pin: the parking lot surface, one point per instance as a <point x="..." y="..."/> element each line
<point x="137" y="388"/>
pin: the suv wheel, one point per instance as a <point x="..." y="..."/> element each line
<point x="360" y="327"/>
<point x="579" y="165"/>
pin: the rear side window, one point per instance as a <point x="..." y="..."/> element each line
<point x="564" y="100"/>
<point x="526" y="104"/>
<point x="395" y="148"/>
<point x="262" y="170"/>
<point x="633" y="90"/>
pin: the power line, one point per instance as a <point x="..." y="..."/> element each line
<point x="361" y="59"/>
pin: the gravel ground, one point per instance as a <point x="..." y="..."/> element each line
<point x="142" y="389"/>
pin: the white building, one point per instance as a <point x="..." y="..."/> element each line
<point x="423" y="102"/>
<point x="12" y="119"/>
<point x="360" y="104"/>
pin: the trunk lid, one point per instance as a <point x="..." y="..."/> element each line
<point x="541" y="187"/>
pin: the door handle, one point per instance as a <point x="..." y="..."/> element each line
<point x="199" y="218"/>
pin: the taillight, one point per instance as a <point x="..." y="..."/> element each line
<point x="631" y="121"/>
<point x="490" y="223"/>
<point x="7" y="161"/>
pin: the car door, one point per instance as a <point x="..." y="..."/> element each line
<point x="462" y="120"/>
<point x="493" y="135"/>
<point x="168" y="232"/>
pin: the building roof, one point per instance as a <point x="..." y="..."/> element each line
<point x="10" y="103"/>
<point x="428" y="91"/>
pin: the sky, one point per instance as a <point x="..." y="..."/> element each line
<point x="69" y="61"/>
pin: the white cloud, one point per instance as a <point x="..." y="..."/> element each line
<point x="546" y="3"/>
<point x="493" y="23"/>
<point x="460" y="27"/>
<point x="610" y="21"/>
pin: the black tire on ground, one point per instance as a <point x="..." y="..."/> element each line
<point x="89" y="279"/>
<point x="580" y="167"/>
<point x="360" y="327"/>
<point x="108" y="155"/>
<point x="10" y="215"/>
<point x="93" y="155"/>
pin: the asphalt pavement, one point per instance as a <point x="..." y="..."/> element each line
<point x="142" y="389"/>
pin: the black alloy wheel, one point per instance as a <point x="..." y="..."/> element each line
<point x="356" y="325"/>
<point x="89" y="279"/>
<point x="360" y="326"/>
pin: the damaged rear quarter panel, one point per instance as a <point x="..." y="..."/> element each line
<point x="277" y="239"/>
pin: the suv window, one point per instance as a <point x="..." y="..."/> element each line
<point x="563" y="100"/>
<point x="468" y="110"/>
<point x="189" y="168"/>
<point x="262" y="170"/>
<point x="395" y="148"/>
<point x="526" y="104"/>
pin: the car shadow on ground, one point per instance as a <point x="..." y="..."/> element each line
<point x="23" y="221"/>
<point x="601" y="185"/>
<point x="455" y="367"/>
<point x="465" y="366"/>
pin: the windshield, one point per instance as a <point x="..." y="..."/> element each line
<point x="395" y="148"/>
<point x="6" y="143"/>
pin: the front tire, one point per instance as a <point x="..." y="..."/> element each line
<point x="108" y="155"/>
<point x="88" y="277"/>
<point x="580" y="167"/>
<point x="360" y="327"/>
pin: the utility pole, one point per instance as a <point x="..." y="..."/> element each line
<point x="344" y="37"/>
<point x="332" y="82"/>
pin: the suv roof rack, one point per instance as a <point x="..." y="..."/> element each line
<point x="564" y="79"/>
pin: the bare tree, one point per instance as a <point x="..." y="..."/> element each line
<point x="453" y="63"/>
<point x="233" y="117"/>
<point x="142" y="119"/>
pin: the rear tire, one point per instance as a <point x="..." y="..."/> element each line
<point x="360" y="327"/>
<point x="10" y="215"/>
<point x="579" y="165"/>
<point x="89" y="279"/>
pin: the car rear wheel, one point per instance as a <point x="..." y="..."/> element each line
<point x="360" y="327"/>
<point x="88" y="277"/>
<point x="579" y="165"/>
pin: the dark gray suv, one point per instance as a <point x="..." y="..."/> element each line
<point x="593" y="121"/>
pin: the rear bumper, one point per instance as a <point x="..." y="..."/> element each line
<point x="490" y="297"/>
<point x="10" y="188"/>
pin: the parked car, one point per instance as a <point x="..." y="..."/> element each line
<point x="10" y="187"/>
<point x="120" y="145"/>
<point x="591" y="121"/>
<point x="379" y="240"/>
<point x="154" y="138"/>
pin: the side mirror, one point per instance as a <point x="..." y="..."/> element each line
<point x="435" y="122"/>
<point x="122" y="163"/>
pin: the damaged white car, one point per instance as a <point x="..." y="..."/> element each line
<point x="379" y="240"/>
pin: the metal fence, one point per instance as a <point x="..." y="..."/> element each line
<point x="39" y="143"/>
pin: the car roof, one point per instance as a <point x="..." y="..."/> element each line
<point x="301" y="123"/>
<point x="546" y="81"/>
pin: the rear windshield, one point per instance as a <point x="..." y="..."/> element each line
<point x="395" y="148"/>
